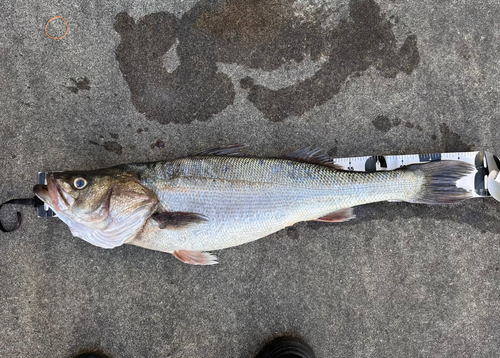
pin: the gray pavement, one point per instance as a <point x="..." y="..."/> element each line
<point x="356" y="78"/>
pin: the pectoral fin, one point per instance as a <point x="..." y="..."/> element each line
<point x="195" y="257"/>
<point x="338" y="216"/>
<point x="178" y="219"/>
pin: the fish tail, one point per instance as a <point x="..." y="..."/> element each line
<point x="439" y="184"/>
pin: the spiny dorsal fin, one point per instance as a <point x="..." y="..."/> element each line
<point x="314" y="156"/>
<point x="226" y="150"/>
<point x="177" y="220"/>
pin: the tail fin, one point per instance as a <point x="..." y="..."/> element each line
<point x="440" y="182"/>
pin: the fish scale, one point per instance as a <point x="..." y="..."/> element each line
<point x="248" y="198"/>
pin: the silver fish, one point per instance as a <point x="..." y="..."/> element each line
<point x="221" y="198"/>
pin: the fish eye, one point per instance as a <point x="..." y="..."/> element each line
<point x="80" y="183"/>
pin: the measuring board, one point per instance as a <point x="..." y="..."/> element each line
<point x="475" y="182"/>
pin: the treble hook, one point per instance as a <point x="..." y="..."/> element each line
<point x="31" y="201"/>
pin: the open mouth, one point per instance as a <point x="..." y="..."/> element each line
<point x="50" y="193"/>
<point x="42" y="192"/>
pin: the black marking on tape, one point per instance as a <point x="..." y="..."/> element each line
<point x="482" y="172"/>
<point x="371" y="163"/>
<point x="429" y="157"/>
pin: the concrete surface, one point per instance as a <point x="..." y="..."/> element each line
<point x="356" y="78"/>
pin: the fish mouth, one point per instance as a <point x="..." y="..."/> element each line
<point x="42" y="192"/>
<point x="51" y="193"/>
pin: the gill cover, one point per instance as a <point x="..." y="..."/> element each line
<point x="105" y="208"/>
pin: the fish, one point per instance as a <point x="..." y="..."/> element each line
<point x="222" y="197"/>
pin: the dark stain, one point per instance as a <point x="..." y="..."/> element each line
<point x="292" y="233"/>
<point x="382" y="123"/>
<point x="110" y="146"/>
<point x="433" y="137"/>
<point x="396" y="122"/>
<point x="364" y="40"/>
<point x="419" y="128"/>
<point x="258" y="34"/>
<point x="473" y="212"/>
<point x="194" y="90"/>
<point x="80" y="84"/>
<point x="114" y="135"/>
<point x="160" y="144"/>
<point x="246" y="82"/>
<point x="333" y="151"/>
<point x="451" y="141"/>
<point x="409" y="125"/>
<point x="262" y="34"/>
<point x="113" y="146"/>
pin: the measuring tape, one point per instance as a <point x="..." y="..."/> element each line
<point x="483" y="182"/>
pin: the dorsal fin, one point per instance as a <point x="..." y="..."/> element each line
<point x="314" y="156"/>
<point x="233" y="150"/>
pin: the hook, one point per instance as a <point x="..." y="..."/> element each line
<point x="32" y="202"/>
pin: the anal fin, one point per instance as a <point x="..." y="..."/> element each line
<point x="338" y="216"/>
<point x="195" y="257"/>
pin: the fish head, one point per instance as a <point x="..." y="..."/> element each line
<point x="104" y="207"/>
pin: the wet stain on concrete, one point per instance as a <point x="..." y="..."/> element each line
<point x="333" y="152"/>
<point x="262" y="34"/>
<point x="110" y="146"/>
<point x="364" y="40"/>
<point x="385" y="124"/>
<point x="113" y="146"/>
<point x="451" y="141"/>
<point x="292" y="233"/>
<point x="159" y="144"/>
<point x="259" y="34"/>
<point x="79" y="84"/>
<point x="194" y="90"/>
<point x="114" y="135"/>
<point x="382" y="123"/>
